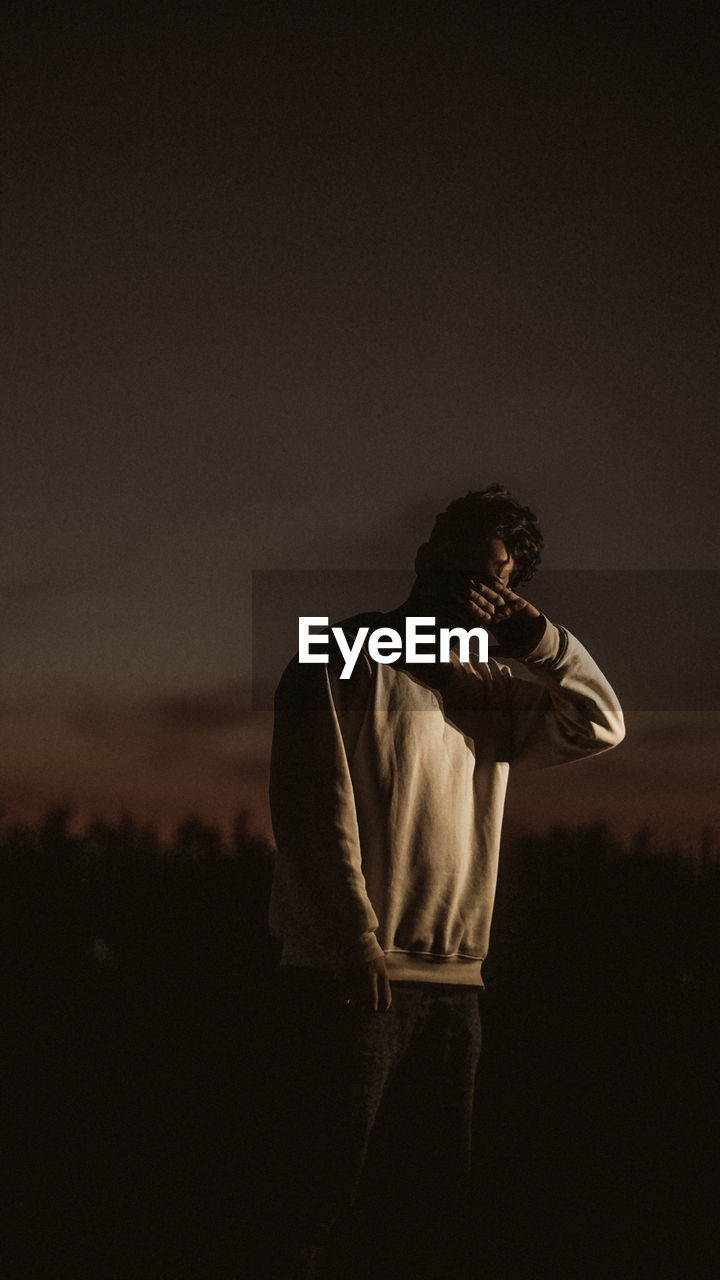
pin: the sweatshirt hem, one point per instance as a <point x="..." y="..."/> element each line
<point x="409" y="966"/>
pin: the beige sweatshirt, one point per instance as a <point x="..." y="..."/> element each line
<point x="387" y="797"/>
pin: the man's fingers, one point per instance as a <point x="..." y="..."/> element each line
<point x="380" y="994"/>
<point x="383" y="994"/>
<point x="487" y="593"/>
<point x="488" y="606"/>
<point x="512" y="601"/>
<point x="517" y="605"/>
<point x="496" y="605"/>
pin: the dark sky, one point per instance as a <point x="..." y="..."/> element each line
<point x="280" y="281"/>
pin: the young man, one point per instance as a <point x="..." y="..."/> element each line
<point x="387" y="792"/>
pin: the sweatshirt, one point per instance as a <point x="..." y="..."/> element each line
<point x="387" y="793"/>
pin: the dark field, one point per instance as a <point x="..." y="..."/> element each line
<point x="138" y="1045"/>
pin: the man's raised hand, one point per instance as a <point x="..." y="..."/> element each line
<point x="515" y="622"/>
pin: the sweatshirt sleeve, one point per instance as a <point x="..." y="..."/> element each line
<point x="319" y="897"/>
<point x="567" y="710"/>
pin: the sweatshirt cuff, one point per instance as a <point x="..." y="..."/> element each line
<point x="369" y="946"/>
<point x="550" y="649"/>
<point x="542" y="645"/>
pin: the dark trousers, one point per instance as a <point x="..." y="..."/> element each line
<point x="373" y="1130"/>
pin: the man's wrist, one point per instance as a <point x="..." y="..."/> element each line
<point x="520" y="636"/>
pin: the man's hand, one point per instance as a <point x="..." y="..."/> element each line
<point x="371" y="984"/>
<point x="514" y="621"/>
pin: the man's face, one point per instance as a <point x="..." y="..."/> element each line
<point x="453" y="571"/>
<point x="488" y="561"/>
<point x="491" y="562"/>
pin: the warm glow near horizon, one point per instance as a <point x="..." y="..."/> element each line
<point x="660" y="779"/>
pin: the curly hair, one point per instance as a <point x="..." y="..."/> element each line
<point x="489" y="513"/>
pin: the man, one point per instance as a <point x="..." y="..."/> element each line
<point x="387" y="793"/>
